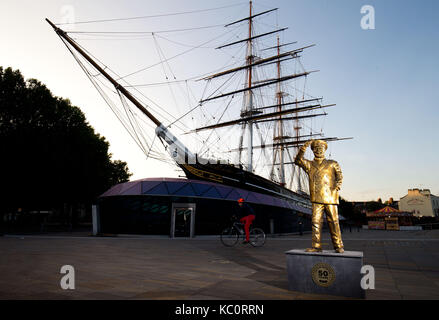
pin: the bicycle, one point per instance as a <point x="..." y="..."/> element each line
<point x="230" y="235"/>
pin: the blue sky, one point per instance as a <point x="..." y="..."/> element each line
<point x="384" y="81"/>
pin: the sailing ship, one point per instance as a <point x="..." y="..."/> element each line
<point x="282" y="113"/>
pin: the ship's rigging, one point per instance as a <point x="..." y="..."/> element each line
<point x="266" y="129"/>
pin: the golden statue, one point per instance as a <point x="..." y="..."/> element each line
<point x="325" y="180"/>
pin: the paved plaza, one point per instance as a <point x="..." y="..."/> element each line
<point x="406" y="265"/>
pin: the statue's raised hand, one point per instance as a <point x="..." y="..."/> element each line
<point x="307" y="144"/>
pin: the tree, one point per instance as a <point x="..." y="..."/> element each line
<point x="350" y="212"/>
<point x="374" y="205"/>
<point x="50" y="154"/>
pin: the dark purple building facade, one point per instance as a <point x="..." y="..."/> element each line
<point x="182" y="207"/>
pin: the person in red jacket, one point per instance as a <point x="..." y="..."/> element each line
<point x="246" y="215"/>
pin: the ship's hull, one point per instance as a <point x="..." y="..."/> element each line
<point x="237" y="177"/>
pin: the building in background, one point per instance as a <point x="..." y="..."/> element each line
<point x="421" y="202"/>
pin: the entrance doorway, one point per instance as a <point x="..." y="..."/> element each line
<point x="183" y="220"/>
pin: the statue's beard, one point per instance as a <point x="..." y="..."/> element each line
<point x="319" y="157"/>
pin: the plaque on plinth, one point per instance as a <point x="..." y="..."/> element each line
<point x="325" y="272"/>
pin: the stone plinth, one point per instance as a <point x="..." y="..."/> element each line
<point x="325" y="272"/>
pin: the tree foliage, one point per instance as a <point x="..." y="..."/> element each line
<point x="351" y="212"/>
<point x="50" y="155"/>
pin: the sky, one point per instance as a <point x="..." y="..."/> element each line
<point x="383" y="80"/>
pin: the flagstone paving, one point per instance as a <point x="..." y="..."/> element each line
<point x="406" y="266"/>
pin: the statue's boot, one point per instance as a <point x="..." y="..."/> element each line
<point x="313" y="250"/>
<point x="339" y="250"/>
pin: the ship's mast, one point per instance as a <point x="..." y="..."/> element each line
<point x="249" y="92"/>
<point x="280" y="133"/>
<point x="297" y="136"/>
<point x="251" y="115"/>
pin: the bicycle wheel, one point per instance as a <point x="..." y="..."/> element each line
<point x="229" y="237"/>
<point x="257" y="237"/>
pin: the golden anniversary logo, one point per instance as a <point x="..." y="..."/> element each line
<point x="323" y="274"/>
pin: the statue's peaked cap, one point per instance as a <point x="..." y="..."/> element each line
<point x="317" y="142"/>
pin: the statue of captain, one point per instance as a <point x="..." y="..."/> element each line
<point x="325" y="180"/>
